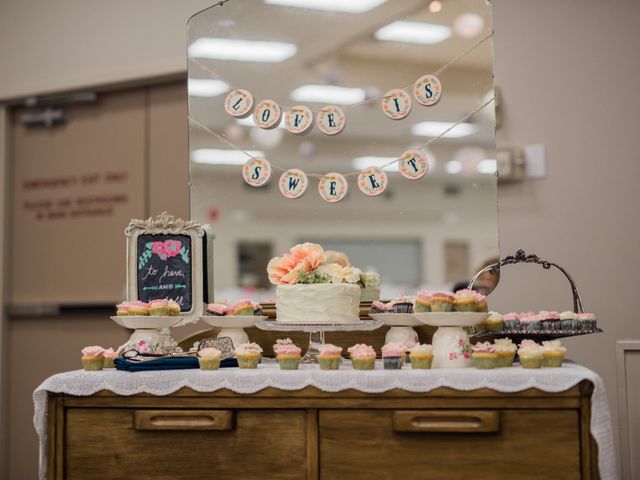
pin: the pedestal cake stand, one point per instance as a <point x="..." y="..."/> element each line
<point x="316" y="332"/>
<point x="232" y="326"/>
<point x="147" y="328"/>
<point x="401" y="324"/>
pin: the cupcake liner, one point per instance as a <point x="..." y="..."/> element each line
<point x="392" y="363"/>
<point x="421" y="362"/>
<point x="248" y="361"/>
<point x="484" y="362"/>
<point x="92" y="364"/>
<point x="289" y="363"/>
<point x="568" y="325"/>
<point x="441" y="305"/>
<point x="108" y="363"/>
<point x="209" y="363"/>
<point x="465" y="307"/>
<point x="329" y="363"/>
<point x="422" y="308"/>
<point x="552" y="361"/>
<point x="402" y="308"/>
<point x="531" y="362"/>
<point x="512" y="324"/>
<point x="363" y="363"/>
<point x="505" y="359"/>
<point x="494" y="326"/>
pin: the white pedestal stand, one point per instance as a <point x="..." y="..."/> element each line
<point x="232" y="326"/>
<point x="147" y="328"/>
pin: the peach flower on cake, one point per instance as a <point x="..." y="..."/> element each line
<point x="302" y="258"/>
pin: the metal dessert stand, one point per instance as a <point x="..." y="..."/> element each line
<point x="316" y="332"/>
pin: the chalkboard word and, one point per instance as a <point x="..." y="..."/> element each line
<point x="164" y="260"/>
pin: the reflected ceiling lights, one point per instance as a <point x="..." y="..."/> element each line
<point x="433" y="129"/>
<point x="249" y="122"/>
<point x="345" y="6"/>
<point x="328" y="94"/>
<point x="360" y="163"/>
<point x="453" y="167"/>
<point x="413" y="32"/>
<point x="200" y="87"/>
<point x="242" y="50"/>
<point x="218" y="156"/>
<point x="488" y="166"/>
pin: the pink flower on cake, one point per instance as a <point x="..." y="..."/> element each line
<point x="302" y="258"/>
<point x="172" y="247"/>
<point x="157" y="248"/>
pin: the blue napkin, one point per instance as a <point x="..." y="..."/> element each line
<point x="169" y="363"/>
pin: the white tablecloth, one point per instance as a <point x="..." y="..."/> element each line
<point x="268" y="374"/>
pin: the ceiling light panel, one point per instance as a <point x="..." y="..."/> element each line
<point x="242" y="50"/>
<point x="413" y="32"/>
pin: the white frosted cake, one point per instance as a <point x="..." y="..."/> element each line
<point x="318" y="303"/>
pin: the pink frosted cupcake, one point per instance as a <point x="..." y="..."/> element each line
<point x="549" y="320"/>
<point x="586" y="322"/>
<point x="441" y="302"/>
<point x="505" y="350"/>
<point x="511" y="321"/>
<point x="363" y="357"/>
<point x="109" y="358"/>
<point x="330" y="357"/>
<point x="248" y="355"/>
<point x="138" y="308"/>
<point x="465" y="300"/>
<point x="393" y="355"/>
<point x="530" y="354"/>
<point x="209" y="358"/>
<point x="159" y="307"/>
<point x="423" y="302"/>
<point x="484" y="355"/>
<point x="421" y="356"/>
<point x="122" y="309"/>
<point x="287" y="355"/>
<point x="93" y="358"/>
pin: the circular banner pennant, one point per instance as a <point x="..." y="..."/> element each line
<point x="266" y="114"/>
<point x="427" y="90"/>
<point x="413" y="164"/>
<point x="238" y="103"/>
<point x="333" y="187"/>
<point x="256" y="171"/>
<point x="372" y="181"/>
<point x="299" y="119"/>
<point x="331" y="120"/>
<point x="293" y="183"/>
<point x="396" y="104"/>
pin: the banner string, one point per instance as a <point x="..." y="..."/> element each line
<point x="350" y="174"/>
<point x="407" y="88"/>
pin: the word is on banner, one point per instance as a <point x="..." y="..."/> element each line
<point x="293" y="183"/>
<point x="372" y="181"/>
<point x="257" y="171"/>
<point x="333" y="187"/>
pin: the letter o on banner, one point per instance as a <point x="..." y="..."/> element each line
<point x="333" y="187"/>
<point x="256" y="171"/>
<point x="238" y="103"/>
<point x="396" y="104"/>
<point x="413" y="164"/>
<point x="266" y="114"/>
<point x="427" y="90"/>
<point x="372" y="181"/>
<point x="298" y="119"/>
<point x="293" y="183"/>
<point x="331" y="120"/>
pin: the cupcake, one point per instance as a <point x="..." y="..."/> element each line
<point x="174" y="308"/>
<point x="109" y="357"/>
<point x="379" y="307"/>
<point x="159" y="307"/>
<point x="553" y="353"/>
<point x="549" y="320"/>
<point x="242" y="308"/>
<point x="531" y="322"/>
<point x="423" y="302"/>
<point x="402" y="305"/>
<point x="441" y="302"/>
<point x="329" y="357"/>
<point x="138" y="308"/>
<point x="393" y="355"/>
<point x="421" y="356"/>
<point x="363" y="357"/>
<point x="586" y="322"/>
<point x="511" y="320"/>
<point x="530" y="354"/>
<point x="92" y="358"/>
<point x="568" y="320"/>
<point x="287" y="355"/>
<point x="484" y="355"/>
<point x="505" y="350"/>
<point x="495" y="322"/>
<point x="122" y="309"/>
<point x="465" y="301"/>
<point x="209" y="358"/>
<point x="248" y="355"/>
<point x="481" y="302"/>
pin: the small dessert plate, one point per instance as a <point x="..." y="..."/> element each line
<point x="137" y="322"/>
<point x="231" y="321"/>
<point x="397" y="319"/>
<point x="451" y="319"/>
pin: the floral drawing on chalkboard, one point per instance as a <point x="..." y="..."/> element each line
<point x="164" y="250"/>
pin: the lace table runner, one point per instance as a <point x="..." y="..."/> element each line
<point x="81" y="383"/>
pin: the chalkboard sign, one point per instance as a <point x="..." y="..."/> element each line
<point x="164" y="260"/>
<point x="164" y="268"/>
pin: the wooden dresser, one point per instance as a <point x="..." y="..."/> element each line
<point x="311" y="434"/>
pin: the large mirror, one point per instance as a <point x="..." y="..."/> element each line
<point x="433" y="232"/>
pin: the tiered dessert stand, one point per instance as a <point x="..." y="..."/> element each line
<point x="148" y="328"/>
<point x="401" y="324"/>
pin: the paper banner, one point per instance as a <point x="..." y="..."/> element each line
<point x="298" y="119"/>
<point x="293" y="183"/>
<point x="238" y="103"/>
<point x="413" y="164"/>
<point x="333" y="187"/>
<point x="331" y="120"/>
<point x="372" y="181"/>
<point x="257" y="171"/>
<point x="396" y="104"/>
<point x="266" y="114"/>
<point x="427" y="90"/>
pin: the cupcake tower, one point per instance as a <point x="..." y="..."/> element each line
<point x="542" y="321"/>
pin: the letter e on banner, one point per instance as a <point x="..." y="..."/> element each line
<point x="333" y="187"/>
<point x="372" y="181"/>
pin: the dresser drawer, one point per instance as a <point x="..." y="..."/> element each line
<point x="449" y="444"/>
<point x="184" y="444"/>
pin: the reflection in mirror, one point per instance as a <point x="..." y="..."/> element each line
<point x="433" y="232"/>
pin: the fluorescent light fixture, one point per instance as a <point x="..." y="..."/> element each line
<point x="219" y="156"/>
<point x="242" y="50"/>
<point x="488" y="166"/>
<point x="328" y="94"/>
<point x="345" y="6"/>
<point x="413" y="32"/>
<point x="453" y="167"/>
<point x="200" y="87"/>
<point x="433" y="129"/>
<point x="249" y="122"/>
<point x="360" y="163"/>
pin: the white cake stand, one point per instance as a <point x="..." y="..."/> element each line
<point x="316" y="332"/>
<point x="232" y="326"/>
<point x="401" y="324"/>
<point x="451" y="346"/>
<point x="146" y="328"/>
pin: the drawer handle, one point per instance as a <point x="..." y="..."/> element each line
<point x="183" y="420"/>
<point x="446" y="421"/>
